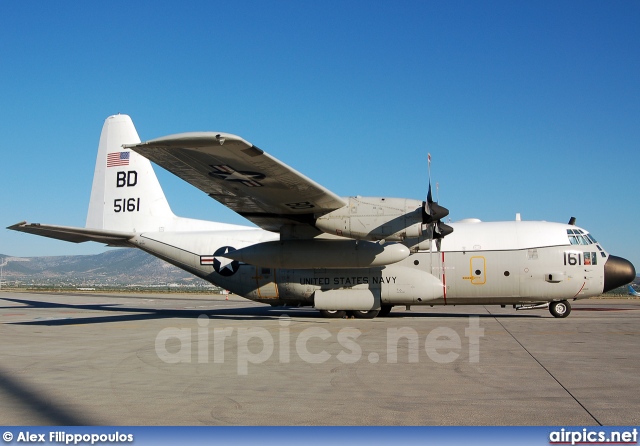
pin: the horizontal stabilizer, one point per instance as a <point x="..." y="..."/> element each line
<point x="75" y="235"/>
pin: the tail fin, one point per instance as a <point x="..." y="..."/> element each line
<point x="126" y="194"/>
<point x="632" y="291"/>
<point x="126" y="197"/>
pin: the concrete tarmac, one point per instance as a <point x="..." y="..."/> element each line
<point x="166" y="359"/>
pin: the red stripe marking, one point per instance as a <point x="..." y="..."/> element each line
<point x="444" y="281"/>
<point x="581" y="288"/>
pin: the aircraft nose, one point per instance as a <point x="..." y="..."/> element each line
<point x="617" y="272"/>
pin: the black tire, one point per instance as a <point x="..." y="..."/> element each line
<point x="385" y="310"/>
<point x="334" y="314"/>
<point x="560" y="309"/>
<point x="359" y="314"/>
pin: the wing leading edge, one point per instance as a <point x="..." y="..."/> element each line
<point x="244" y="178"/>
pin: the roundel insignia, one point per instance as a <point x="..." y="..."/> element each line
<point x="223" y="265"/>
<point x="228" y="173"/>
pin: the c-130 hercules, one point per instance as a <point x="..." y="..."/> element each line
<point x="355" y="256"/>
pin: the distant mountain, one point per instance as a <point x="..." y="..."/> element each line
<point x="115" y="267"/>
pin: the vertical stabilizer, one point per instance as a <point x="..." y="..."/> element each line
<point x="126" y="194"/>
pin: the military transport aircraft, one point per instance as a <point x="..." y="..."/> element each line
<point x="355" y="256"/>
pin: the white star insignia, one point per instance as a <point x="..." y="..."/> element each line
<point x="225" y="263"/>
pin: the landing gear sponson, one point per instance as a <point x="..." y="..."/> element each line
<point x="559" y="309"/>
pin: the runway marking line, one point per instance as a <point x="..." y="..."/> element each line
<point x="606" y="309"/>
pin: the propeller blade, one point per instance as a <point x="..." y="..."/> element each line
<point x="432" y="212"/>
<point x="442" y="230"/>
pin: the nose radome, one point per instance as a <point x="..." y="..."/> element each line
<point x="617" y="272"/>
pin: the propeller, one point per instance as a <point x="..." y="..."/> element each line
<point x="432" y="214"/>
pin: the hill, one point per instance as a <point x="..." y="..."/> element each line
<point x="118" y="267"/>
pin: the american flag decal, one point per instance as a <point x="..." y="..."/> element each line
<point x="118" y="159"/>
<point x="206" y="260"/>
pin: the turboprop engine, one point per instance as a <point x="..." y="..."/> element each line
<point x="388" y="219"/>
<point x="374" y="218"/>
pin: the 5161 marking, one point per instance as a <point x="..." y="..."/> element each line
<point x="126" y="205"/>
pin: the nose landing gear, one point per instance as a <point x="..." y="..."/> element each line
<point x="560" y="308"/>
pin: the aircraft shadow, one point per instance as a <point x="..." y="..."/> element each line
<point x="245" y="313"/>
<point x="45" y="407"/>
<point x="242" y="313"/>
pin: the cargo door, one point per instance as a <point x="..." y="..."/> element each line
<point x="265" y="278"/>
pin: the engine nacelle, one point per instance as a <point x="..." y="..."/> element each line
<point x="375" y="218"/>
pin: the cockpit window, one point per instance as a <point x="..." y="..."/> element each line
<point x="579" y="237"/>
<point x="572" y="238"/>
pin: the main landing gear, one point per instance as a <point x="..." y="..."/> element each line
<point x="358" y="314"/>
<point x="560" y="309"/>
<point x="385" y="310"/>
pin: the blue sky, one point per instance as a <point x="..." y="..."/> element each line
<point x="530" y="107"/>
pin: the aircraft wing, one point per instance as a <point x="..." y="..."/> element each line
<point x="75" y="235"/>
<point x="242" y="177"/>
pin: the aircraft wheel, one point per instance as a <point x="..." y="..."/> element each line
<point x="385" y="310"/>
<point x="336" y="314"/>
<point x="560" y="309"/>
<point x="358" y="314"/>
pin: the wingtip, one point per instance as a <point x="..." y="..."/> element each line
<point x="18" y="225"/>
